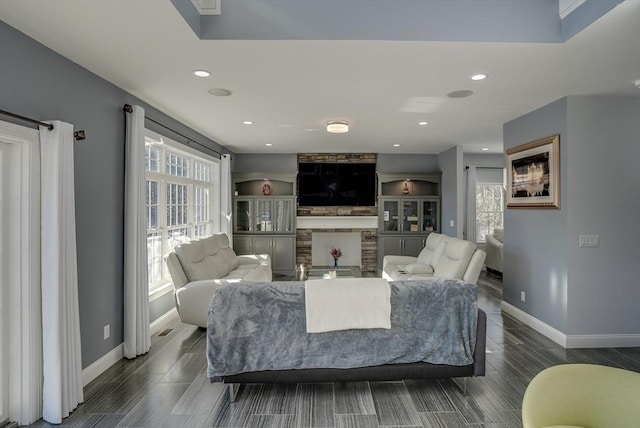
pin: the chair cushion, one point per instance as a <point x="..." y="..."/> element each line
<point x="455" y="259"/>
<point x="207" y="258"/>
<point x="432" y="249"/>
<point x="418" y="268"/>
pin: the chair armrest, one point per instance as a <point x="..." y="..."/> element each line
<point x="475" y="267"/>
<point x="398" y="260"/>
<point x="178" y="276"/>
<point x="192" y="301"/>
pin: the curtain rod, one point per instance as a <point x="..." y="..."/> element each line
<point x="485" y="167"/>
<point x="77" y="135"/>
<point x="129" y="109"/>
<point x="27" y="119"/>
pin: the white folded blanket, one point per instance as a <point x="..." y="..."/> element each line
<point x="347" y="303"/>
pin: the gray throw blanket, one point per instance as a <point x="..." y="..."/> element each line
<point x="261" y="326"/>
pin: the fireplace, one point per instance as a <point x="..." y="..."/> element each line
<point x="356" y="236"/>
<point x="348" y="242"/>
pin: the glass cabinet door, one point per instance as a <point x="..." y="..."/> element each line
<point x="283" y="215"/>
<point x="430" y="216"/>
<point x="243" y="215"/>
<point x="264" y="216"/>
<point x="410" y="216"/>
<point x="390" y="220"/>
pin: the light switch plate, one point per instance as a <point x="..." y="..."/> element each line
<point x="589" y="241"/>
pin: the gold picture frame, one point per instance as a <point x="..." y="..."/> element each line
<point x="533" y="174"/>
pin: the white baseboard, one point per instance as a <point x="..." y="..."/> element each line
<point x="603" y="341"/>
<point x="545" y="329"/>
<point x="576" y="340"/>
<point x="117" y="353"/>
<point x="106" y="361"/>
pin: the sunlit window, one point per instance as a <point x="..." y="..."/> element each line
<point x="179" y="198"/>
<point x="489" y="209"/>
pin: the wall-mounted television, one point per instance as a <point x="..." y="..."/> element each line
<point x="336" y="184"/>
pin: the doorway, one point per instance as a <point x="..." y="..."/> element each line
<point x="20" y="338"/>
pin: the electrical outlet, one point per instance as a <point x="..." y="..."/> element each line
<point x="522" y="296"/>
<point x="106" y="332"/>
<point x="451" y="223"/>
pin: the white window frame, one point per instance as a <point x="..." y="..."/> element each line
<point x="167" y="145"/>
<point x="478" y="212"/>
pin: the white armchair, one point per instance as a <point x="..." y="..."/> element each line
<point x="443" y="256"/>
<point x="494" y="251"/>
<point x="199" y="267"/>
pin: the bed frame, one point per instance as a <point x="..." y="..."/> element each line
<point x="386" y="372"/>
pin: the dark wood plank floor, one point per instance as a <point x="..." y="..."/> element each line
<point x="168" y="387"/>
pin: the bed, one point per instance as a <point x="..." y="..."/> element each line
<point x="256" y="333"/>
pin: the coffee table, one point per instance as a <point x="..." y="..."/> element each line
<point x="318" y="272"/>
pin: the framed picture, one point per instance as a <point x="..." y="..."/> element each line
<point x="533" y="174"/>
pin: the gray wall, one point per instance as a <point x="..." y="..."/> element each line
<point x="450" y="163"/>
<point x="580" y="291"/>
<point x="535" y="240"/>
<point x="603" y="198"/>
<point x="264" y="163"/>
<point x="39" y="83"/>
<point x="408" y="163"/>
<point x="490" y="160"/>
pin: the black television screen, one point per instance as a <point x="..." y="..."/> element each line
<point x="336" y="184"/>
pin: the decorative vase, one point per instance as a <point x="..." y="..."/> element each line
<point x="335" y="264"/>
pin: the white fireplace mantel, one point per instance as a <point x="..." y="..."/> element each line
<point x="337" y="222"/>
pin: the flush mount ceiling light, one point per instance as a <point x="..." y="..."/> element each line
<point x="460" y="94"/>
<point x="268" y="145"/>
<point x="396" y="145"/>
<point x="201" y="73"/>
<point x="423" y="123"/>
<point x="248" y="122"/>
<point x="219" y="92"/>
<point x="337" y="127"/>
<point x="478" y="77"/>
<point x="485" y="149"/>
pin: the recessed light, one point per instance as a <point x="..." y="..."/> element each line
<point x="478" y="77"/>
<point x="396" y="145"/>
<point x="485" y="149"/>
<point x="219" y="92"/>
<point x="248" y="122"/>
<point x="423" y="123"/>
<point x="460" y="94"/>
<point x="268" y="144"/>
<point x="201" y="73"/>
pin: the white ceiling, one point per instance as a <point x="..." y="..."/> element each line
<point x="290" y="89"/>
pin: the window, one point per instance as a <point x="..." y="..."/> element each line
<point x="489" y="209"/>
<point x="180" y="198"/>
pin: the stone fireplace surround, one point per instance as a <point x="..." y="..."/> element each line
<point x="338" y="219"/>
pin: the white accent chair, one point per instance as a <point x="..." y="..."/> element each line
<point x="442" y="256"/>
<point x="200" y="266"/>
<point x="494" y="250"/>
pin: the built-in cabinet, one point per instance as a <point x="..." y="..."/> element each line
<point x="408" y="210"/>
<point x="280" y="248"/>
<point x="264" y="213"/>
